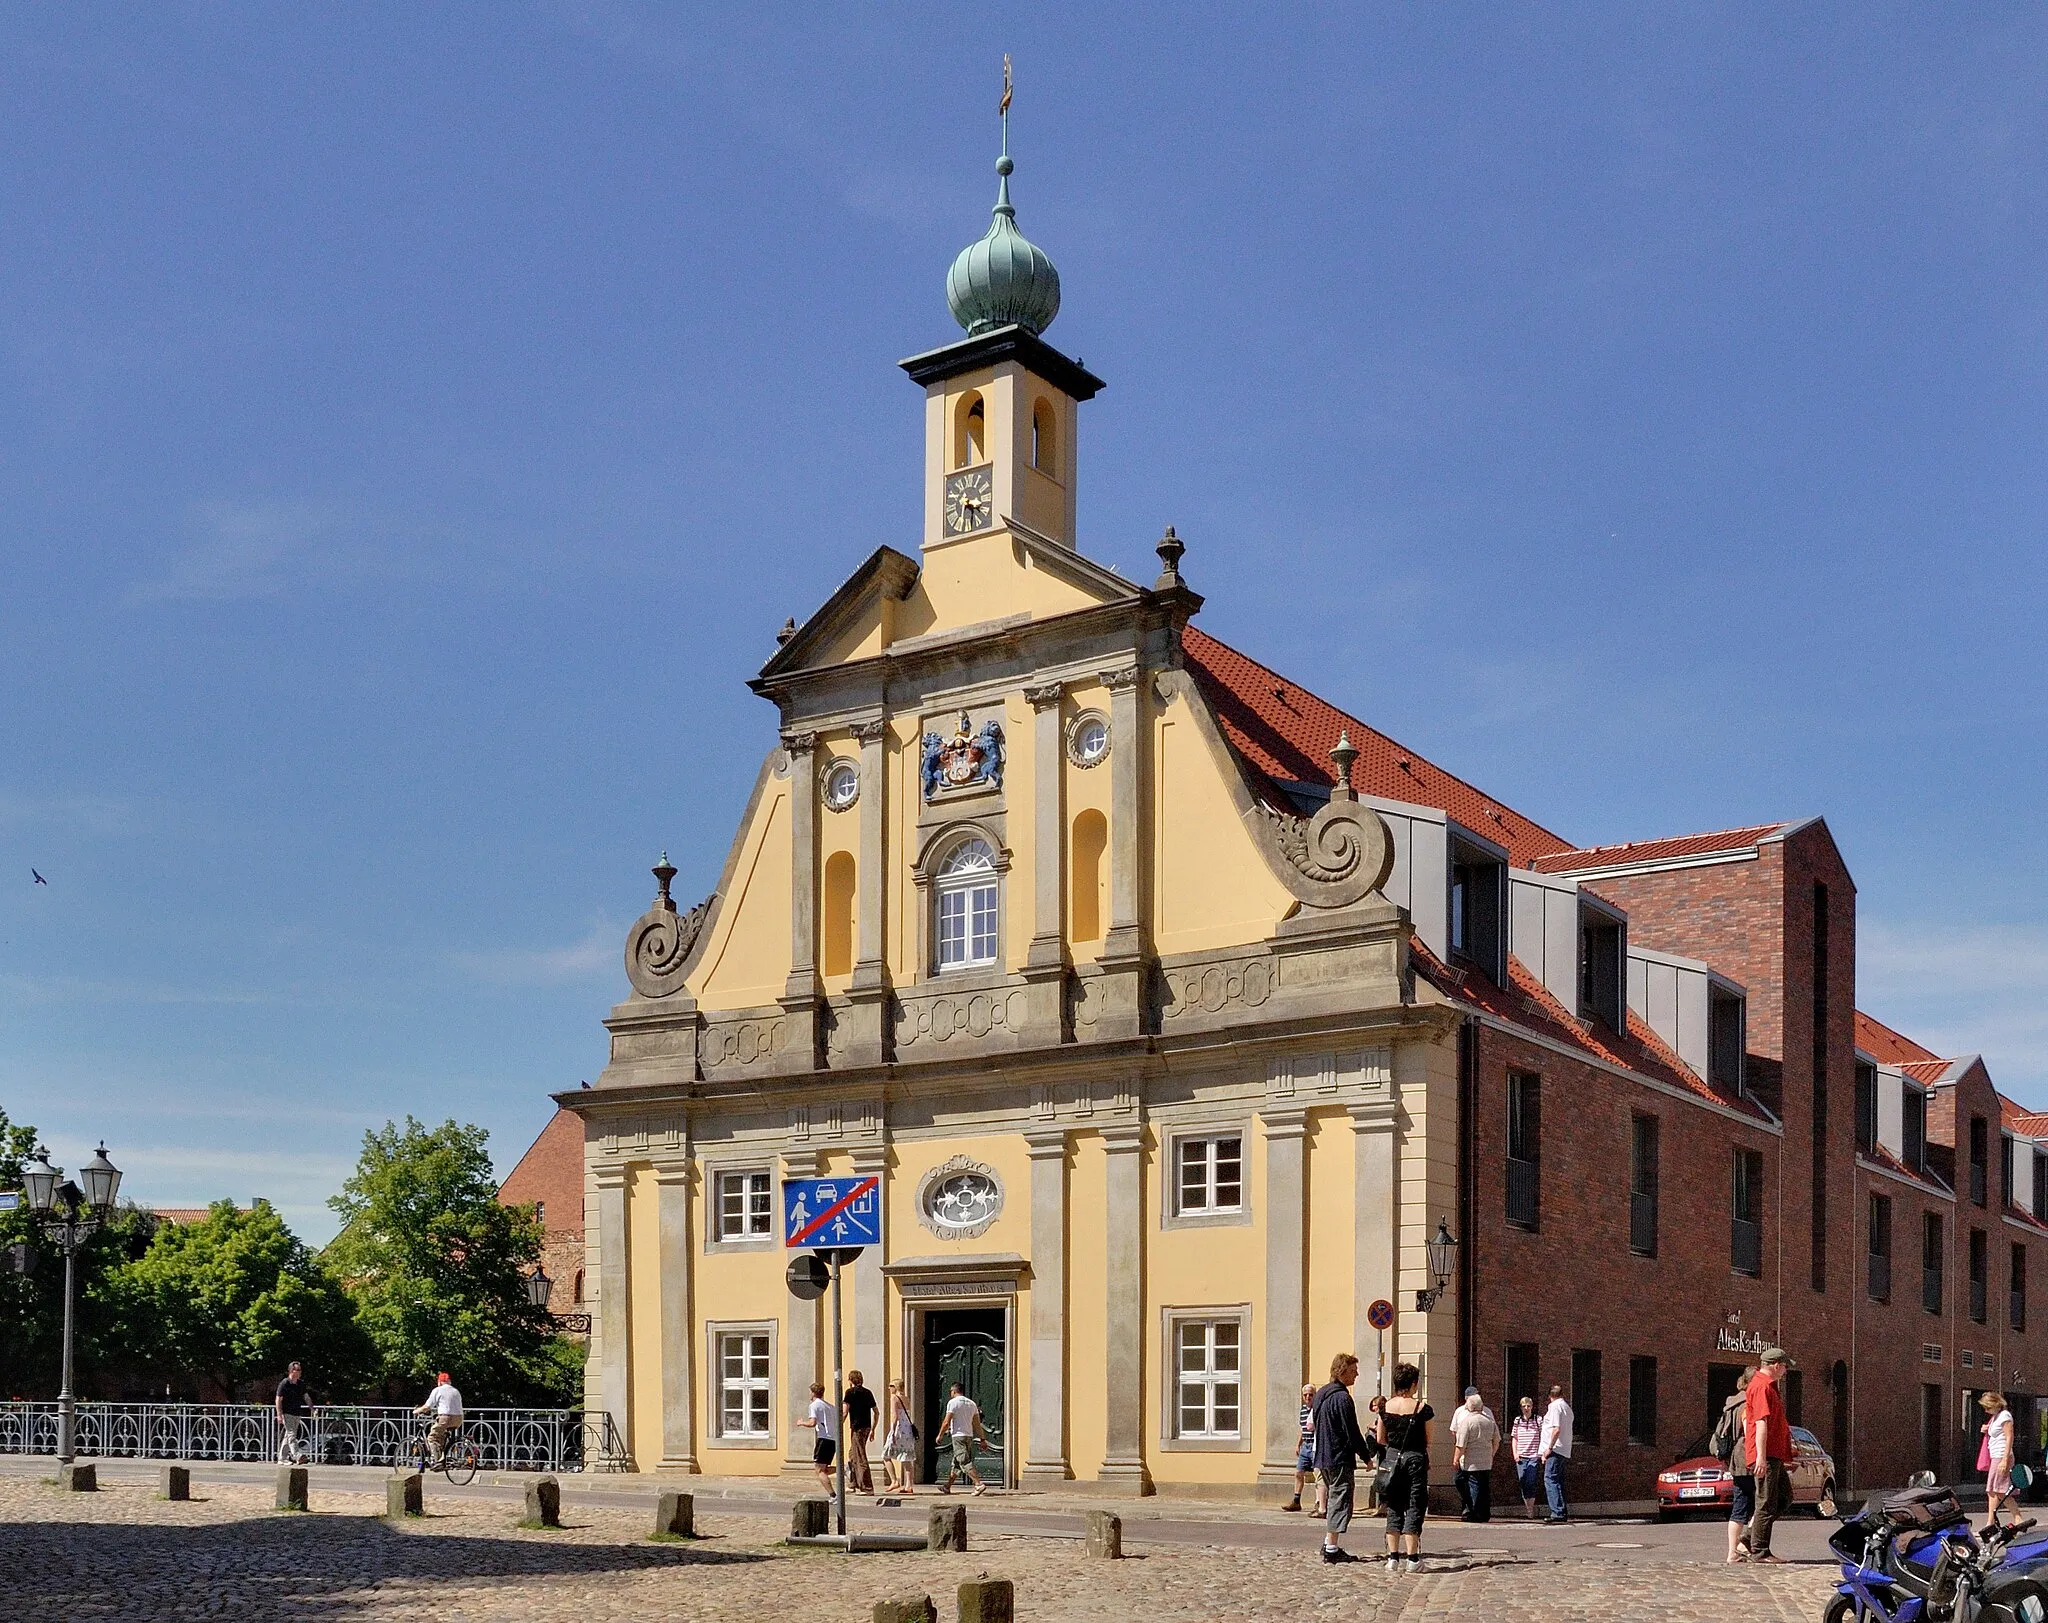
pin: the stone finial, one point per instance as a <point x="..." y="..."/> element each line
<point x="788" y="631"/>
<point x="1342" y="754"/>
<point x="664" y="873"/>
<point x="1170" y="550"/>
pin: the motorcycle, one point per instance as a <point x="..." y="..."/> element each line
<point x="1913" y="1558"/>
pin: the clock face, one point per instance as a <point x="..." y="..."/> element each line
<point x="969" y="505"/>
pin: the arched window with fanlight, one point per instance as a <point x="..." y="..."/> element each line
<point x="967" y="906"/>
<point x="970" y="431"/>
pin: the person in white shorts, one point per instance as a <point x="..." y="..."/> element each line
<point x="963" y="1426"/>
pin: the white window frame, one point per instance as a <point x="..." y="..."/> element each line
<point x="1175" y="1322"/>
<point x="715" y="1174"/>
<point x="716" y="1336"/>
<point x="1174" y="1213"/>
<point x="967" y="888"/>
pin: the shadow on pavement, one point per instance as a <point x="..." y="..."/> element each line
<point x="284" y="1566"/>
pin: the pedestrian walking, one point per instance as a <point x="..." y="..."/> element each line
<point x="899" y="1451"/>
<point x="292" y="1410"/>
<point x="1339" y="1446"/>
<point x="1994" y="1458"/>
<point x="1475" y="1438"/>
<point x="1554" y="1450"/>
<point x="825" y="1422"/>
<point x="1725" y="1444"/>
<point x="1525" y="1438"/>
<point x="963" y="1426"/>
<point x="1767" y="1437"/>
<point x="1305" y="1451"/>
<point x="858" y="1406"/>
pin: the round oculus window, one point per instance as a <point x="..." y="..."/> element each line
<point x="1090" y="741"/>
<point x="965" y="1200"/>
<point x="842" y="785"/>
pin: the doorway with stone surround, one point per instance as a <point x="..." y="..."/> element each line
<point x="969" y="1345"/>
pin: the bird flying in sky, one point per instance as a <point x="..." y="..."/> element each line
<point x="39" y="878"/>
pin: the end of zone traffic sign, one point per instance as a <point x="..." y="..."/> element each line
<point x="831" y="1211"/>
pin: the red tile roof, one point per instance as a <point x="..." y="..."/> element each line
<point x="1527" y="1002"/>
<point x="2032" y="1123"/>
<point x="1887" y="1046"/>
<point x="184" y="1215"/>
<point x="1285" y="733"/>
<point x="1668" y="850"/>
<point x="1927" y="1070"/>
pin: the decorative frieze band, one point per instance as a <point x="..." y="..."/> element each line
<point x="1361" y="1072"/>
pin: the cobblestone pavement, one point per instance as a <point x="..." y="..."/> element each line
<point x="124" y="1554"/>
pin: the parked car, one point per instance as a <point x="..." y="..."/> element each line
<point x="1698" y="1481"/>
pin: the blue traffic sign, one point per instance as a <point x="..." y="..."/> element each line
<point x="831" y="1211"/>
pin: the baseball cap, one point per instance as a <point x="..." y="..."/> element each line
<point x="1776" y="1355"/>
<point x="1471" y="1391"/>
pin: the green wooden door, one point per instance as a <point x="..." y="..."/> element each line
<point x="966" y="1345"/>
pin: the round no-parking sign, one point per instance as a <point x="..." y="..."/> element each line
<point x="1380" y="1315"/>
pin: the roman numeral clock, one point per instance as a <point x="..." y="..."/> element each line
<point x="969" y="501"/>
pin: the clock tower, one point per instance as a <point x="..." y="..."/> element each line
<point x="1000" y="445"/>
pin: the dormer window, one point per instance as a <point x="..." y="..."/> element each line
<point x="1913" y="1131"/>
<point x="967" y="907"/>
<point x="1478" y="909"/>
<point x="1727" y="1039"/>
<point x="1603" y="955"/>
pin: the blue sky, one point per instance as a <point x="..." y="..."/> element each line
<point x="415" y="422"/>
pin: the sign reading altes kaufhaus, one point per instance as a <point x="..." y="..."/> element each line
<point x="1012" y="939"/>
<point x="1740" y="1341"/>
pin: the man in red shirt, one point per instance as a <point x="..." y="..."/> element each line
<point x="1767" y="1445"/>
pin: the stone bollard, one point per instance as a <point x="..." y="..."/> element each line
<point x="988" y="1600"/>
<point x="177" y="1482"/>
<point x="910" y="1609"/>
<point x="291" y="1487"/>
<point x="78" y="1478"/>
<point x="676" y="1513"/>
<point x="947" y="1529"/>
<point x="544" y="1503"/>
<point x="810" y="1518"/>
<point x="1105" y="1535"/>
<point x="405" y="1496"/>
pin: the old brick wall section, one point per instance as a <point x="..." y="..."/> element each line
<point x="1573" y="1283"/>
<point x="551" y="1172"/>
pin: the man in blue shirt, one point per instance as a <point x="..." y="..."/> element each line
<point x="1340" y="1445"/>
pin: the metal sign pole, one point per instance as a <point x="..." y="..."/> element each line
<point x="838" y="1405"/>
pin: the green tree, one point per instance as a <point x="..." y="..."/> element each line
<point x="437" y="1268"/>
<point x="231" y="1300"/>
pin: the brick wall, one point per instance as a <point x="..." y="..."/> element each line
<point x="551" y="1172"/>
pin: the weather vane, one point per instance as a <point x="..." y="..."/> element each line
<point x="1004" y="108"/>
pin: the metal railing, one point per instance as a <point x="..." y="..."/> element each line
<point x="1880" y="1276"/>
<point x="1746" y="1246"/>
<point x="1642" y="1223"/>
<point x="1522" y="1188"/>
<point x="506" y="1439"/>
<point x="1930" y="1289"/>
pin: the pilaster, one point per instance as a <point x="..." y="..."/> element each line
<point x="672" y="1174"/>
<point x="1375" y="1192"/>
<point x="864" y="1029"/>
<point x="1045" y="1438"/>
<point x="800" y="1342"/>
<point x="870" y="1286"/>
<point x="1123" y="1456"/>
<point x="614" y="1329"/>
<point x="801" y="991"/>
<point x="1123" y="945"/>
<point x="1045" y="963"/>
<point x="1285" y="1133"/>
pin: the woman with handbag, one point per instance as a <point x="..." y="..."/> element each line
<point x="1995" y="1459"/>
<point x="1402" y="1431"/>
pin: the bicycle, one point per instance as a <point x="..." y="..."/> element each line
<point x="459" y="1458"/>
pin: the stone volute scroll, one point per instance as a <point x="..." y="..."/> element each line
<point x="1340" y="855"/>
<point x="662" y="942"/>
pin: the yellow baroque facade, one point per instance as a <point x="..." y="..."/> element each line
<point x="1128" y="1031"/>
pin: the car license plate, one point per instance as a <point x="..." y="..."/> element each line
<point x="1695" y="1493"/>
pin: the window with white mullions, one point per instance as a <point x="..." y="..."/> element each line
<point x="1211" y="1175"/>
<point x="1208" y="1372"/>
<point x="745" y="1211"/>
<point x="967" y="906"/>
<point x="743" y="1386"/>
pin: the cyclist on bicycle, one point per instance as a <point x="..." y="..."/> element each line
<point x="292" y="1409"/>
<point x="444" y="1403"/>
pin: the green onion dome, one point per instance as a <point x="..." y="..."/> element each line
<point x="1003" y="279"/>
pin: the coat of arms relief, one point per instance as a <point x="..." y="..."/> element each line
<point x="966" y="760"/>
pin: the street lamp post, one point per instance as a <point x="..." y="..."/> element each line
<point x="1442" y="1250"/>
<point x="68" y="1216"/>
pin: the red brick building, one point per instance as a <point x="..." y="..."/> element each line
<point x="549" y="1176"/>
<point x="1681" y="1140"/>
